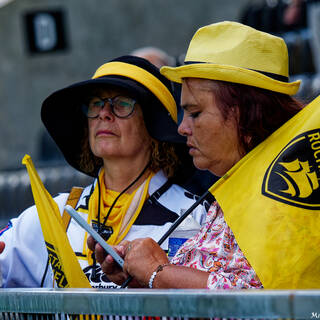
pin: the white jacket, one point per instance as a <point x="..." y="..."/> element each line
<point x="23" y="262"/>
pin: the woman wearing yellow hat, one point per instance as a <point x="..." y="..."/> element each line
<point x="235" y="93"/>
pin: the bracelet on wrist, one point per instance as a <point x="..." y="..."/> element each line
<point x="159" y="268"/>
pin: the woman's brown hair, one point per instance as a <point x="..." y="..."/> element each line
<point x="259" y="112"/>
<point x="163" y="156"/>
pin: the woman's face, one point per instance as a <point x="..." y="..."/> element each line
<point x="116" y="138"/>
<point x="213" y="141"/>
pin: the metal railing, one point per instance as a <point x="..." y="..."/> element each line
<point x="70" y="303"/>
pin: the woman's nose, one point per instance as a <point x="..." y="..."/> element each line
<point x="106" y="112"/>
<point x="184" y="129"/>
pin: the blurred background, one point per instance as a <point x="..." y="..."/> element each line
<point x="48" y="44"/>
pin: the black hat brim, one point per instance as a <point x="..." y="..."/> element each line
<point x="62" y="116"/>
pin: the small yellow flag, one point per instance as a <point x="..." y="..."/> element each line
<point x="66" y="269"/>
<point x="271" y="201"/>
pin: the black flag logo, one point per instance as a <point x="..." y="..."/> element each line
<point x="293" y="176"/>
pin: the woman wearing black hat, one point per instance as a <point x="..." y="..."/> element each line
<point x="119" y="127"/>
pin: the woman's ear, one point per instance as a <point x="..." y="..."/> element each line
<point x="236" y="112"/>
<point x="247" y="139"/>
<point x="244" y="140"/>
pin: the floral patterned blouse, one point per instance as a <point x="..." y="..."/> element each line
<point x="214" y="249"/>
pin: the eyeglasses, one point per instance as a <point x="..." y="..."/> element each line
<point x="121" y="107"/>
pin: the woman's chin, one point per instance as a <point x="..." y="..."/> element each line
<point x="105" y="150"/>
<point x="200" y="163"/>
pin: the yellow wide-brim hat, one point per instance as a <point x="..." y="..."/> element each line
<point x="233" y="52"/>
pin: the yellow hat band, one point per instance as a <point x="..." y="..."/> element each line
<point x="143" y="77"/>
<point x="229" y="74"/>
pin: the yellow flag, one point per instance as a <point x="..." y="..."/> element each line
<point x="66" y="269"/>
<point x="271" y="201"/>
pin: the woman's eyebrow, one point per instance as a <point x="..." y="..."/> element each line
<point x="187" y="106"/>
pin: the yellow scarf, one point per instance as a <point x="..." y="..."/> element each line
<point x="125" y="211"/>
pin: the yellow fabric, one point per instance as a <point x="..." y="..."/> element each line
<point x="145" y="78"/>
<point x="117" y="213"/>
<point x="127" y="204"/>
<point x="271" y="201"/>
<point x="232" y="39"/>
<point x="66" y="268"/>
<point x="233" y="52"/>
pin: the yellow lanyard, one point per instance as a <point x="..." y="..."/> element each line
<point x="123" y="214"/>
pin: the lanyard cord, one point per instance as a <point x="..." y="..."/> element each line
<point x="109" y="211"/>
<point x="116" y="199"/>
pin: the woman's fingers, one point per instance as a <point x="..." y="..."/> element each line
<point x="108" y="265"/>
<point x="143" y="256"/>
<point x="91" y="243"/>
<point x="100" y="253"/>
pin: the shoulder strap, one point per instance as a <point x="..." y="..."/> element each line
<point x="159" y="192"/>
<point x="72" y="200"/>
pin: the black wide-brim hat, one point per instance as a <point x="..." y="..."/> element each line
<point x="62" y="116"/>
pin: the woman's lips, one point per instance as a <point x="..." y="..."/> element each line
<point x="192" y="149"/>
<point x="104" y="133"/>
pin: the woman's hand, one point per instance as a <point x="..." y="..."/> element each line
<point x="142" y="257"/>
<point x="108" y="264"/>
<point x="2" y="246"/>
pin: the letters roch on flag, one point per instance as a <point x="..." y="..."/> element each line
<point x="271" y="201"/>
<point x="65" y="266"/>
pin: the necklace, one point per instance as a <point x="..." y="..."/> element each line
<point x="102" y="229"/>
